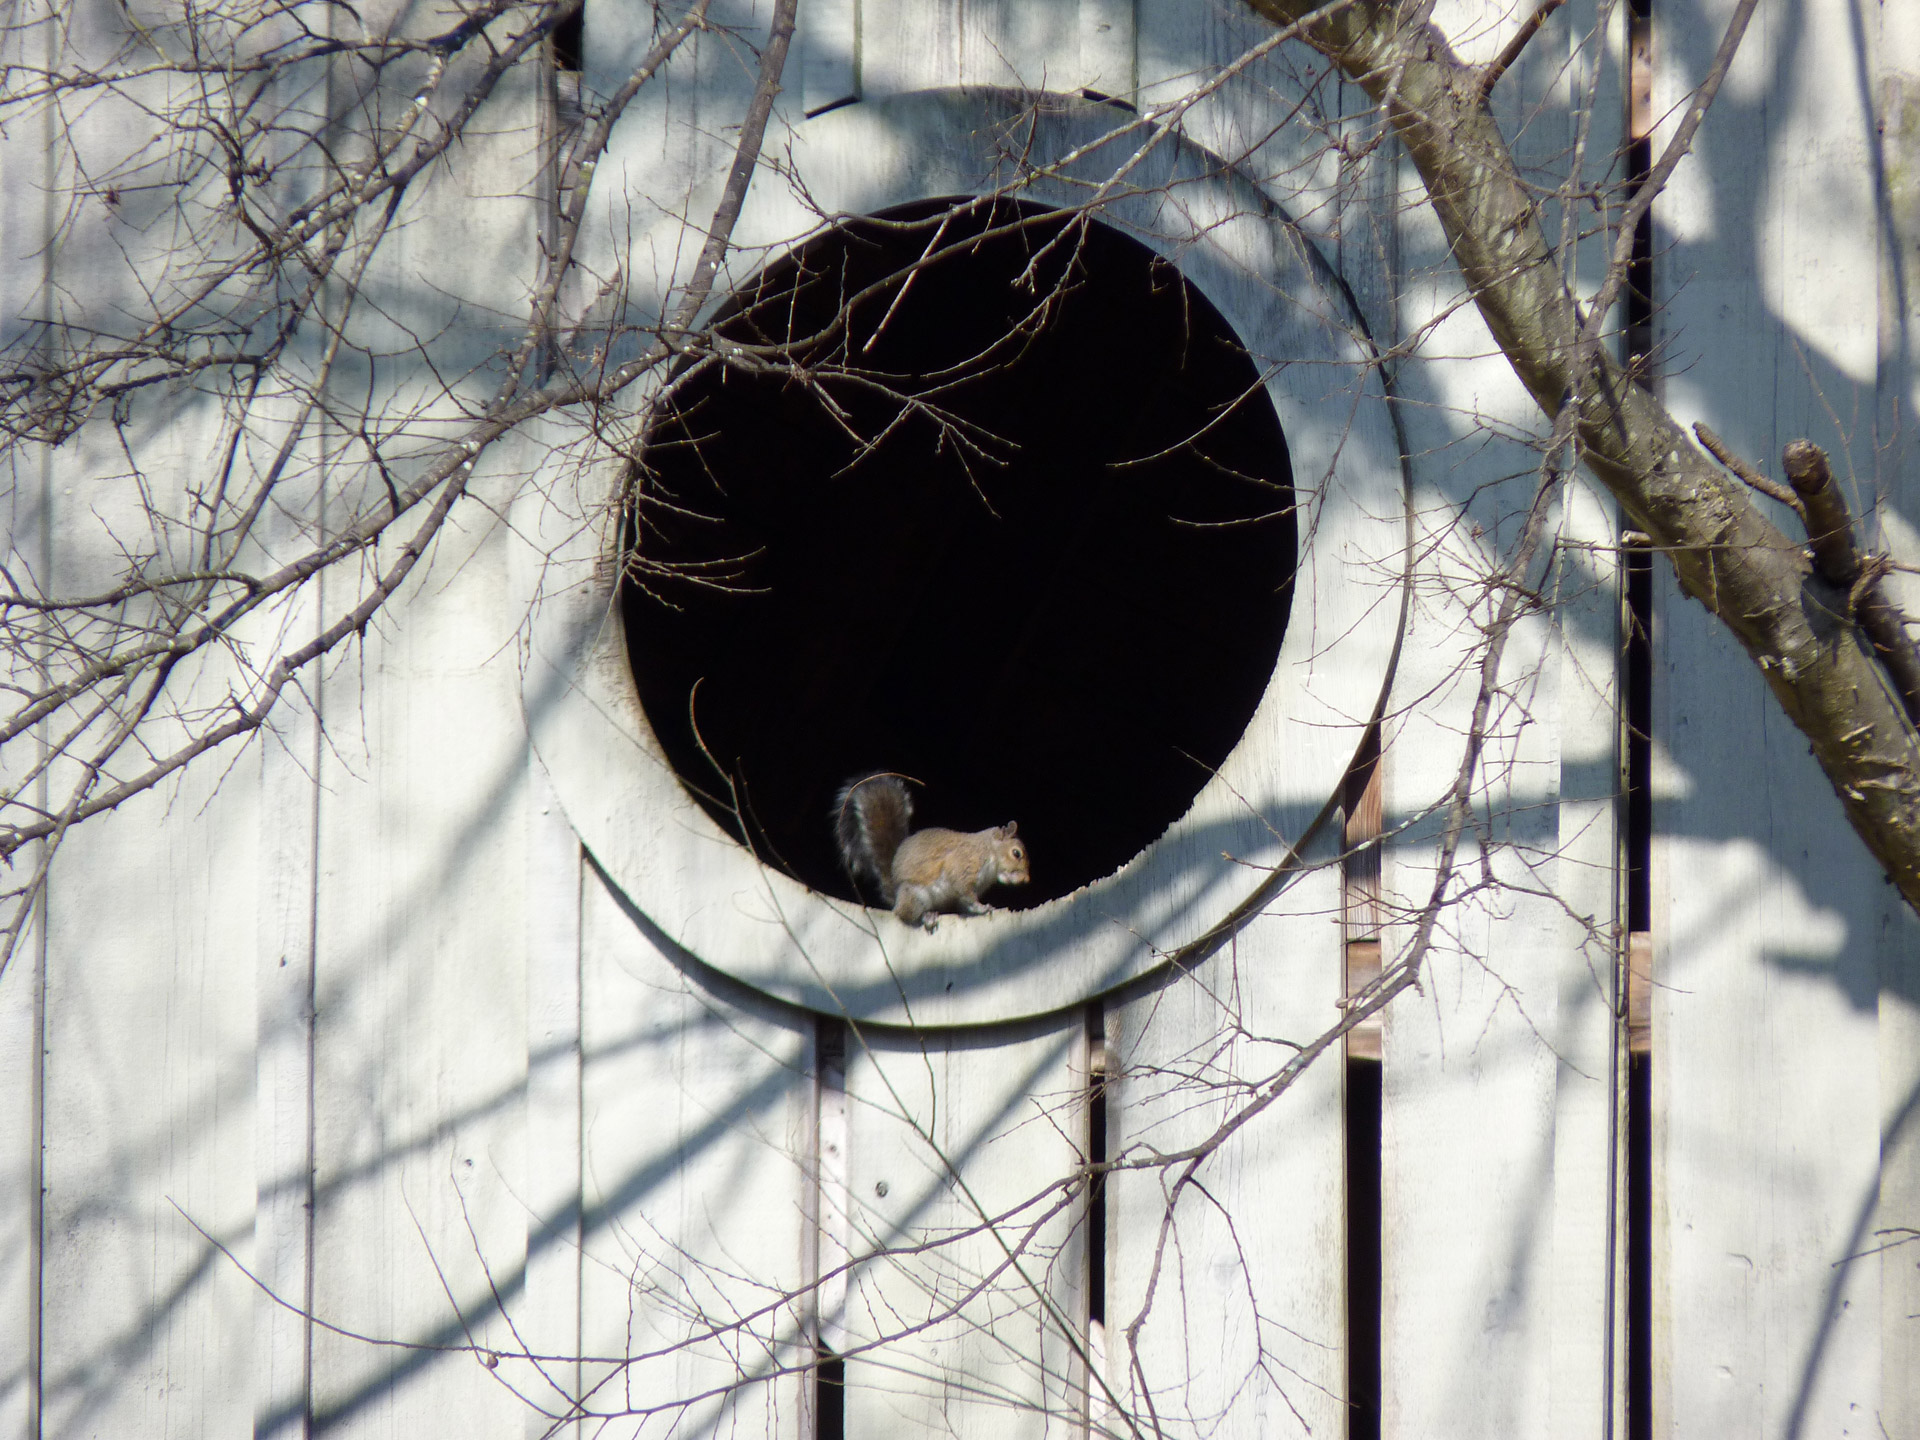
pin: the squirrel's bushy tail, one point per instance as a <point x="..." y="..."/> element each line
<point x="871" y="817"/>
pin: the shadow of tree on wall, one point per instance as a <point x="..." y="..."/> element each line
<point x="1771" y="896"/>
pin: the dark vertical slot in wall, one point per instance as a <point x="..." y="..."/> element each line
<point x="1639" y="1147"/>
<point x="566" y="48"/>
<point x="1639" y="845"/>
<point x="829" y="1371"/>
<point x="1638" y="683"/>
<point x="1637" y="679"/>
<point x="570" y="40"/>
<point x="1360" y="875"/>
<point x="1638" y="342"/>
<point x="1363" y="1249"/>
<point x="1639" y="1249"/>
<point x="830" y="1397"/>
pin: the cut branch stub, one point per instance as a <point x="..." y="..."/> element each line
<point x="1829" y="526"/>
<point x="1838" y="559"/>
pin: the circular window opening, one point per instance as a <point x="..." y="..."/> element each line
<point x="993" y="498"/>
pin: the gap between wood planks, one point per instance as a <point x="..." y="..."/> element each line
<point x="1639" y="340"/>
<point x="1360" y="923"/>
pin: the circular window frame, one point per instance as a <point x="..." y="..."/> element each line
<point x="1113" y="563"/>
<point x="701" y="890"/>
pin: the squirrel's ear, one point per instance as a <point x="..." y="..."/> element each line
<point x="1009" y="830"/>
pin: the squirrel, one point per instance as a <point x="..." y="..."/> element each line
<point x="920" y="872"/>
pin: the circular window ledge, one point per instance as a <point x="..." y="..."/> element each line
<point x="706" y="892"/>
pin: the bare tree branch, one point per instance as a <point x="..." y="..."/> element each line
<point x="1728" y="556"/>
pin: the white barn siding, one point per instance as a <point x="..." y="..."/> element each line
<point x="356" y="1006"/>
<point x="1238" y="1294"/>
<point x="694" y="1109"/>
<point x="1774" y="934"/>
<point x="1897" y="1223"/>
<point x="1498" y="1127"/>
<point x="148" y="1027"/>
<point x="25" y="159"/>
<point x="964" y="1140"/>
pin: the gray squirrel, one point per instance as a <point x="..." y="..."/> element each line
<point x="920" y="872"/>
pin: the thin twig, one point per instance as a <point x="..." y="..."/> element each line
<point x="746" y="158"/>
<point x="1751" y="474"/>
<point x="1491" y="75"/>
<point x="1655" y="180"/>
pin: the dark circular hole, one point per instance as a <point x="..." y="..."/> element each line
<point x="1017" y="523"/>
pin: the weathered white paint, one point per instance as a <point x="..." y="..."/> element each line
<point x="148" y="1088"/>
<point x="548" y="1321"/>
<point x="1586" y="1376"/>
<point x="1234" y="1284"/>
<point x="969" y="1142"/>
<point x="1768" y="1109"/>
<point x="694" y="1118"/>
<point x="20" y="1051"/>
<point x="827" y="43"/>
<point x="150" y="1032"/>
<point x="1107" y="31"/>
<point x="26" y="155"/>
<point x="287" y="876"/>
<point x="1498" y="1126"/>
<point x="977" y="42"/>
<point x="1182" y="49"/>
<point x="1897" y="1225"/>
<point x="422" y="1030"/>
<point x="422" y="1208"/>
<point x="521" y="1082"/>
<point x="1469" y="1201"/>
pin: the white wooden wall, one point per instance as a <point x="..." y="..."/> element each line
<point x="352" y="1021"/>
<point x="1784" y="1071"/>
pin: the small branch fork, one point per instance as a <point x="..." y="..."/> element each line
<point x="1837" y="559"/>
<point x="1837" y="556"/>
<point x="1750" y="474"/>
<point x="1502" y="62"/>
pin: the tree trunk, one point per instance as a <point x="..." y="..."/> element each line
<point x="1757" y="580"/>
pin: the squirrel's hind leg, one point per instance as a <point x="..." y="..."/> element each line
<point x="912" y="907"/>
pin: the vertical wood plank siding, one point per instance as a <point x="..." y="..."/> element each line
<point x="356" y="1026"/>
<point x="1769" y="926"/>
